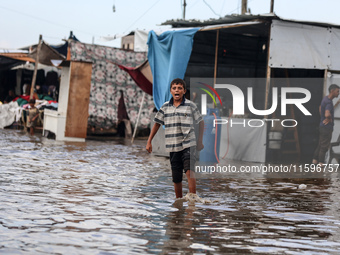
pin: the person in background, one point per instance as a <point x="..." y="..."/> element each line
<point x="9" y="98"/>
<point x="33" y="114"/>
<point x="26" y="89"/>
<point x="326" y="125"/>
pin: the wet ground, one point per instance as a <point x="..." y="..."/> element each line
<point x="108" y="197"/>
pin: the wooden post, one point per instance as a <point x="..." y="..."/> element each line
<point x="271" y="6"/>
<point x="244" y="6"/>
<point x="216" y="58"/>
<point x="36" y="67"/>
<point x="184" y="7"/>
<point x="325" y="82"/>
<point x="137" y="121"/>
<point x="268" y="75"/>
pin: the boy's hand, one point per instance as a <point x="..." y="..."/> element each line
<point x="149" y="147"/>
<point x="199" y="146"/>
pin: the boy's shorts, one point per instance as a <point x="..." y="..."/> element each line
<point x="181" y="160"/>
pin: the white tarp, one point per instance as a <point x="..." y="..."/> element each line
<point x="141" y="37"/>
<point x="245" y="143"/>
<point x="295" y="45"/>
<point x="9" y="113"/>
<point x="335" y="49"/>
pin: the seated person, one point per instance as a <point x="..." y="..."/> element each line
<point x="11" y="95"/>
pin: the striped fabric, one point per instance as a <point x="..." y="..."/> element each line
<point x="179" y="124"/>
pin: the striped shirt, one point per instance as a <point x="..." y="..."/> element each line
<point x="179" y="124"/>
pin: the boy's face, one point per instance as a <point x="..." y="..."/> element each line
<point x="177" y="91"/>
<point x="31" y="104"/>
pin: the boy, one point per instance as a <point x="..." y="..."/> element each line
<point x="178" y="116"/>
<point x="33" y="114"/>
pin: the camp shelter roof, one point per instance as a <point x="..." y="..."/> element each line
<point x="236" y="18"/>
<point x="12" y="59"/>
<point x="18" y="56"/>
<point x="46" y="54"/>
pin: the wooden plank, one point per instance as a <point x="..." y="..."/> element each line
<point x="325" y="82"/>
<point x="216" y="58"/>
<point x="268" y="73"/>
<point x="78" y="100"/>
<point x="233" y="25"/>
<point x="36" y="67"/>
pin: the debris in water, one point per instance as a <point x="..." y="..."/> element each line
<point x="192" y="198"/>
<point x="302" y="186"/>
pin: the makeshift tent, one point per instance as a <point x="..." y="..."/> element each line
<point x="141" y="75"/>
<point x="9" y="60"/>
<point x="108" y="80"/>
<point x="262" y="47"/>
<point x="46" y="54"/>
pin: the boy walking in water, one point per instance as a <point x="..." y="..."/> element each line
<point x="178" y="116"/>
<point x="33" y="114"/>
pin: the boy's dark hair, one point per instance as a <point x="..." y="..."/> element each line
<point x="31" y="101"/>
<point x="178" y="81"/>
<point x="333" y="86"/>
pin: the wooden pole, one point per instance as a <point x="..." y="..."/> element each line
<point x="325" y="78"/>
<point x="35" y="67"/>
<point x="244" y="6"/>
<point x="184" y="7"/>
<point x="216" y="57"/>
<point x="271" y="6"/>
<point x="137" y="121"/>
<point x="268" y="75"/>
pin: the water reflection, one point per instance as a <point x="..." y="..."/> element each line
<point x="108" y="197"/>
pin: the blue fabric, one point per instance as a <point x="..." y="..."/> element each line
<point x="168" y="57"/>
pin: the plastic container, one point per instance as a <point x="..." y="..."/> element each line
<point x="211" y="142"/>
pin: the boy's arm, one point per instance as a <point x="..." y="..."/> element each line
<point x="151" y="136"/>
<point x="200" y="145"/>
<point x="36" y="116"/>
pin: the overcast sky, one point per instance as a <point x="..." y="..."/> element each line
<point x="22" y="21"/>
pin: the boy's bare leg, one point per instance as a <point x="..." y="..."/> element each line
<point x="178" y="189"/>
<point x="191" y="181"/>
<point x="31" y="130"/>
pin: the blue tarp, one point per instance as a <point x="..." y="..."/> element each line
<point x="168" y="56"/>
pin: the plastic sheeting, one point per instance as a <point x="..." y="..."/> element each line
<point x="9" y="113"/>
<point x="46" y="54"/>
<point x="295" y="45"/>
<point x="242" y="142"/>
<point x="168" y="56"/>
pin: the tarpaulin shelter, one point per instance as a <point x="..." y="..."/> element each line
<point x="12" y="59"/>
<point x="141" y="75"/>
<point x="108" y="79"/>
<point x="47" y="54"/>
<point x="262" y="47"/>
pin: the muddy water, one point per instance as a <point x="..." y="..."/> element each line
<point x="108" y="197"/>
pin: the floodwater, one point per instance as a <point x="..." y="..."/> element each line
<point x="108" y="197"/>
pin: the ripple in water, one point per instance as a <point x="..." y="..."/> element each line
<point x="108" y="197"/>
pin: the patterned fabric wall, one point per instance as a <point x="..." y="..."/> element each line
<point x="107" y="81"/>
